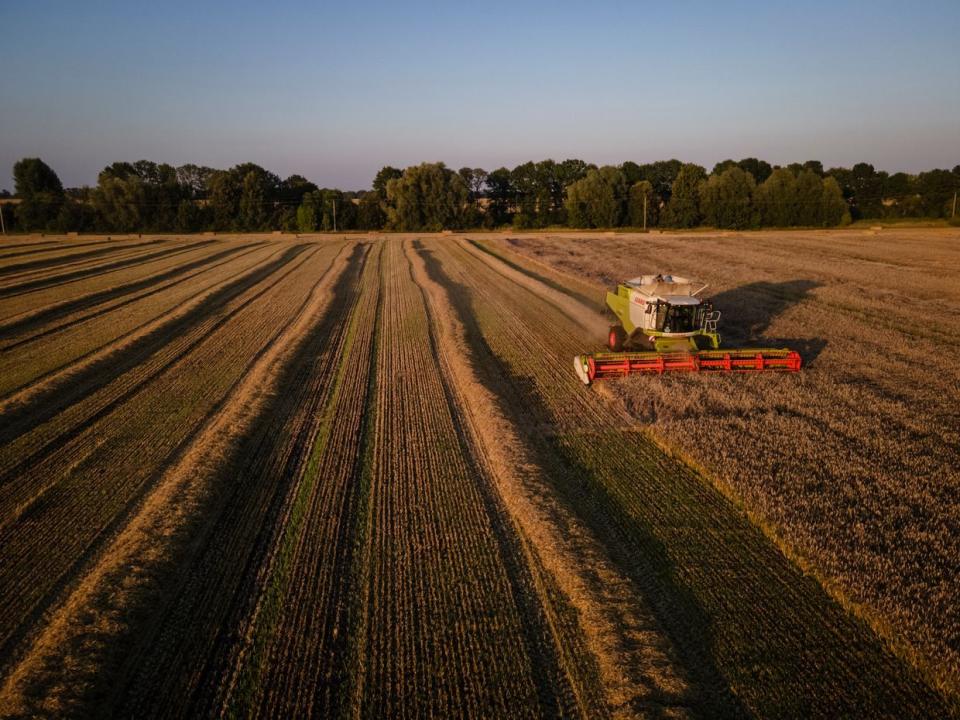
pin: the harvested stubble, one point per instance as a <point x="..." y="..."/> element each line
<point x="746" y="617"/>
<point x="358" y="479"/>
<point x="852" y="465"/>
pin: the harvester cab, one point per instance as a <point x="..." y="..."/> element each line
<point x="664" y="325"/>
<point x="662" y="313"/>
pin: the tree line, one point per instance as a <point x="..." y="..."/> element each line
<point x="156" y="197"/>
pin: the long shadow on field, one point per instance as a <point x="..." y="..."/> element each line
<point x="677" y="610"/>
<point x="66" y="277"/>
<point x="182" y="637"/>
<point x="42" y="248"/>
<point x="47" y="404"/>
<point x="42" y="318"/>
<point x="749" y="310"/>
<point x="50" y="262"/>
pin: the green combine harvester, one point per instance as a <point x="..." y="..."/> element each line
<point x="665" y="326"/>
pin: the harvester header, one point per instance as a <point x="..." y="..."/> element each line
<point x="665" y="326"/>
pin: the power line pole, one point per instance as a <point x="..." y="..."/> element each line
<point x="334" y="215"/>
<point x="4" y="227"/>
<point x="954" y="213"/>
<point x="644" y="212"/>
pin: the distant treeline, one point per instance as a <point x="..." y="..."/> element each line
<point x="149" y="197"/>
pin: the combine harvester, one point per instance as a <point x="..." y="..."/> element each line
<point x="661" y="318"/>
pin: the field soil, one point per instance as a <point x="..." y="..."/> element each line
<point x="356" y="476"/>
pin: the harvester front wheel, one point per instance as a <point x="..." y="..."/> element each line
<point x="616" y="338"/>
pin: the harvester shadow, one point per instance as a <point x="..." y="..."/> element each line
<point x="749" y="310"/>
<point x="651" y="570"/>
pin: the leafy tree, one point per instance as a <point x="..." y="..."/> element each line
<point x="475" y="179"/>
<point x="429" y="196"/>
<point x="41" y="194"/>
<point x="194" y="180"/>
<point x="809" y="199"/>
<point x="834" y="209"/>
<point x="683" y="210"/>
<point x="865" y="187"/>
<point x="308" y="211"/>
<point x="120" y="198"/>
<point x="253" y="198"/>
<point x="777" y="199"/>
<point x="632" y="172"/>
<point x="383" y="177"/>
<point x="525" y="183"/>
<point x="501" y="193"/>
<point x="599" y="199"/>
<point x="294" y="188"/>
<point x="661" y="175"/>
<point x="643" y="199"/>
<point x="370" y="214"/>
<point x="722" y="166"/>
<point x="726" y="200"/>
<point x="224" y="202"/>
<point x="814" y="166"/>
<point x="936" y="188"/>
<point x="760" y="169"/>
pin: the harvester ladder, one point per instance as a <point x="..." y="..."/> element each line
<point x="710" y="321"/>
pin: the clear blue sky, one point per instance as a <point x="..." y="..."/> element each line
<point x="335" y="91"/>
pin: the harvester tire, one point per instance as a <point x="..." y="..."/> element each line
<point x="616" y="338"/>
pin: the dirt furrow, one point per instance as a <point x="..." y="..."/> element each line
<point x="303" y="611"/>
<point x="79" y="640"/>
<point x="439" y="558"/>
<point x="49" y="274"/>
<point x="79" y="351"/>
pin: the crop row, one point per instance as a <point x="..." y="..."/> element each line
<point x="85" y="467"/>
<point x="45" y="295"/>
<point x="63" y="277"/>
<point x="52" y="344"/>
<point x="448" y="625"/>
<point x="24" y="268"/>
<point x="82" y="652"/>
<point x="752" y="630"/>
